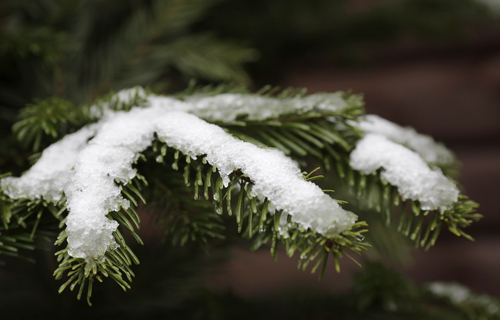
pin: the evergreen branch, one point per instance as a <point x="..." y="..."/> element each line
<point x="210" y="90"/>
<point x="53" y="117"/>
<point x="114" y="263"/>
<point x="261" y="224"/>
<point x="396" y="297"/>
<point x="421" y="226"/>
<point x="473" y="305"/>
<point x="25" y="226"/>
<point x="201" y="164"/>
<point x="199" y="56"/>
<point x="122" y="100"/>
<point x="46" y="117"/>
<point x="329" y="143"/>
<point x="204" y="56"/>
<point x="21" y="214"/>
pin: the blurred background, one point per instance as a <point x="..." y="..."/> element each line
<point x="433" y="65"/>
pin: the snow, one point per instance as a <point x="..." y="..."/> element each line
<point x="92" y="192"/>
<point x="227" y="107"/>
<point x="405" y="169"/>
<point x="454" y="291"/>
<point x="460" y="294"/>
<point x="51" y="174"/>
<point x="429" y="150"/>
<point x="119" y="100"/>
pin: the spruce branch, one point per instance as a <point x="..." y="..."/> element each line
<point x="329" y="142"/>
<point x="141" y="147"/>
<point x="51" y="118"/>
<point x="26" y="225"/>
<point x="43" y="118"/>
<point x="114" y="263"/>
<point x="248" y="211"/>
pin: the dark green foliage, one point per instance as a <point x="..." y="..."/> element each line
<point x="26" y="225"/>
<point x="46" y="117"/>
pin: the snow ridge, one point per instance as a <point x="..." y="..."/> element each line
<point x="405" y="169"/>
<point x="227" y="107"/>
<point x="92" y="192"/>
<point x="429" y="150"/>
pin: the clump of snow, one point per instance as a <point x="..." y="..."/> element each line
<point x="429" y="150"/>
<point x="406" y="170"/>
<point x="459" y="294"/>
<point x="274" y="175"/>
<point x="51" y="174"/>
<point x="92" y="192"/>
<point x="119" y="100"/>
<point x="126" y="96"/>
<point x="227" y="107"/>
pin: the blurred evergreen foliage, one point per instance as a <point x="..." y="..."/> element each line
<point x="79" y="50"/>
<point x="344" y="30"/>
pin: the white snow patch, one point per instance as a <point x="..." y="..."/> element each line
<point x="119" y="100"/>
<point x="51" y="174"/>
<point x="460" y="294"/>
<point x="454" y="291"/>
<point x="429" y="150"/>
<point x="406" y="170"/>
<point x="227" y="107"/>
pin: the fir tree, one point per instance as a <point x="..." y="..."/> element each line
<point x="209" y="164"/>
<point x="87" y="181"/>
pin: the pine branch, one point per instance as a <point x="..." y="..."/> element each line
<point x="46" y="117"/>
<point x="25" y="225"/>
